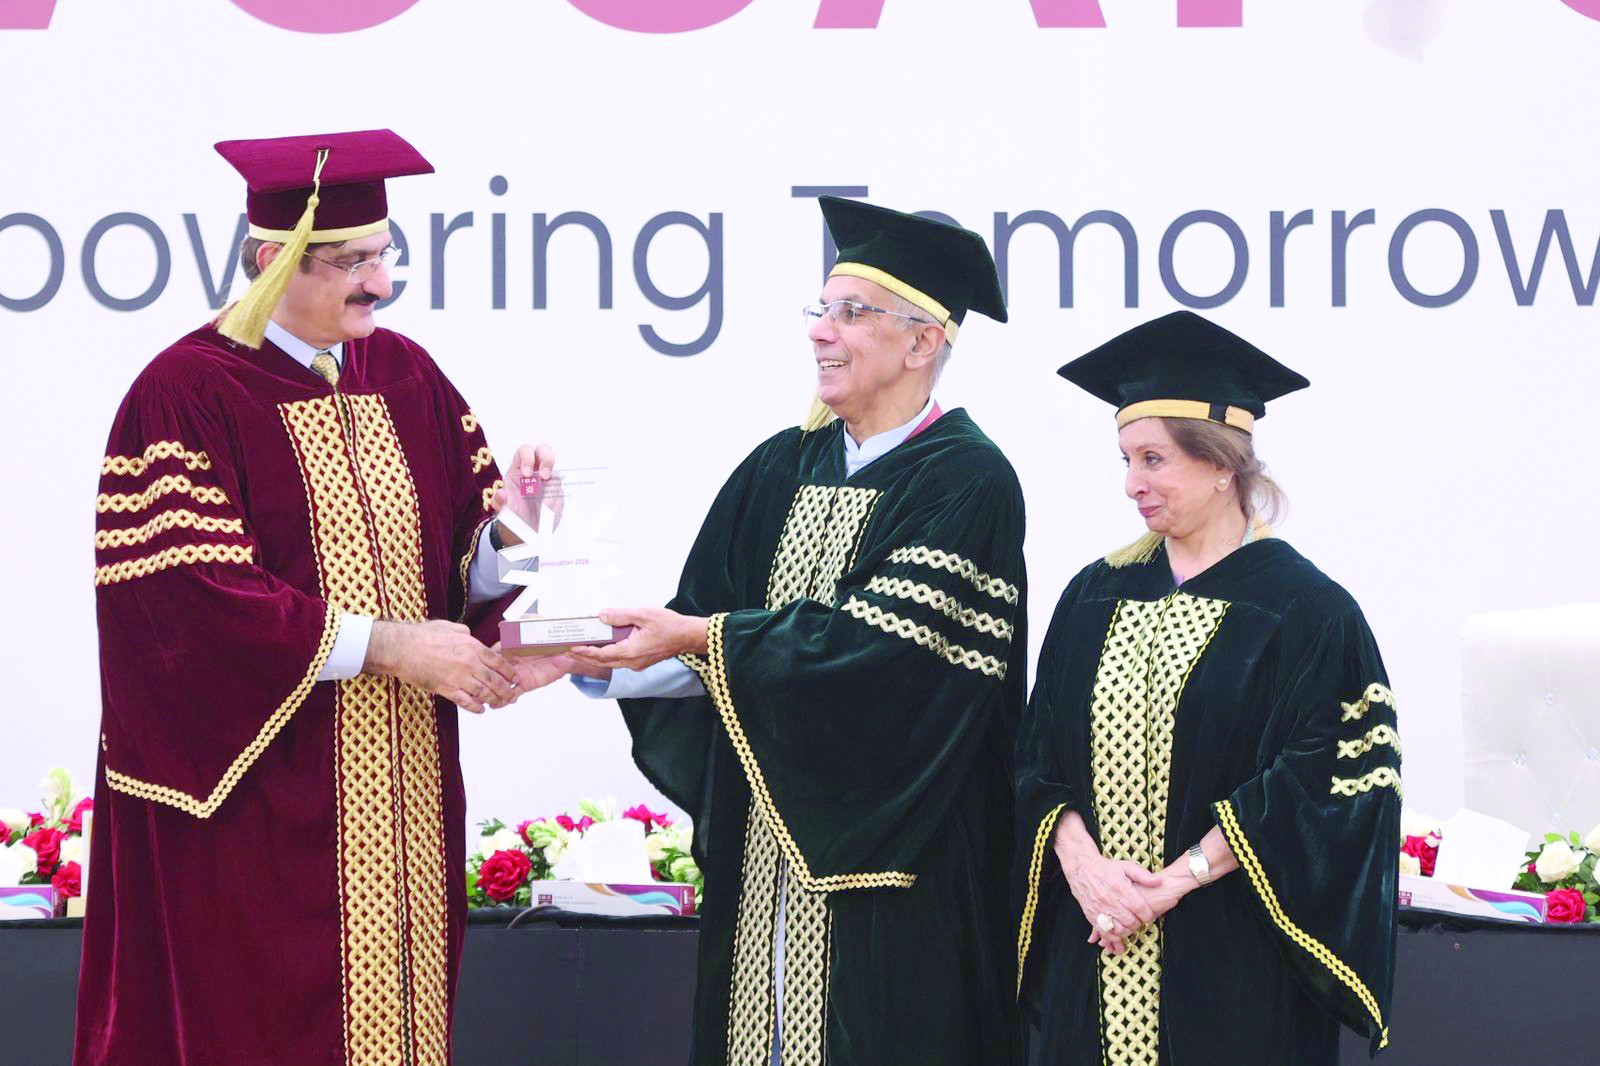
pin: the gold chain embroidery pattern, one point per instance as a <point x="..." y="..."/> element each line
<point x="921" y="555"/>
<point x="943" y="602"/>
<point x="469" y="422"/>
<point x="1149" y="652"/>
<point x="807" y="923"/>
<point x="751" y="1012"/>
<point x="481" y="458"/>
<point x="161" y="449"/>
<point x="1382" y="777"/>
<point x="1376" y="736"/>
<point x="118" y="502"/>
<point x="488" y="493"/>
<point x="1375" y="693"/>
<point x="183" y="518"/>
<point x="205" y="808"/>
<point x="820" y="538"/>
<point x="933" y="640"/>
<point x="1030" y="906"/>
<point x="1228" y="819"/>
<point x="465" y="567"/>
<point x="181" y="555"/>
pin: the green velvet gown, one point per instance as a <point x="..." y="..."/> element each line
<point x="1252" y="698"/>
<point x="851" y="762"/>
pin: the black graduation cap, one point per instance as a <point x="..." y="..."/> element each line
<point x="944" y="270"/>
<point x="1183" y="366"/>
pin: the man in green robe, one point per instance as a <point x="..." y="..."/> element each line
<point x="833" y="694"/>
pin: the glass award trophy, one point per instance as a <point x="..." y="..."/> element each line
<point x="562" y="564"/>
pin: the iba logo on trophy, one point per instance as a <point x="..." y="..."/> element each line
<point x="562" y="563"/>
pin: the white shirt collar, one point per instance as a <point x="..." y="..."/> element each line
<point x="298" y="349"/>
<point x="857" y="456"/>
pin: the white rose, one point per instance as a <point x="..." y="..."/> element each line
<point x="17" y="821"/>
<point x="72" y="850"/>
<point x="554" y="850"/>
<point x="1592" y="841"/>
<point x="1417" y="824"/>
<point x="655" y="849"/>
<point x="57" y="789"/>
<point x="16" y="861"/>
<point x="499" y="840"/>
<point x="1555" y="862"/>
<point x="1410" y="864"/>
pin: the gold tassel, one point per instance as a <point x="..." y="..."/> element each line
<point x="1140" y="551"/>
<point x="819" y="417"/>
<point x="246" y="321"/>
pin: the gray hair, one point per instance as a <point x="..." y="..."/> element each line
<point x="1234" y="450"/>
<point x="918" y="318"/>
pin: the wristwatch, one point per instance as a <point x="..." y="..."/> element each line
<point x="495" y="540"/>
<point x="1199" y="866"/>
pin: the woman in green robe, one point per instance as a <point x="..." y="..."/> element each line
<point x="1208" y="770"/>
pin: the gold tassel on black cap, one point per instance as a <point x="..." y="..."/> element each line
<point x="246" y="321"/>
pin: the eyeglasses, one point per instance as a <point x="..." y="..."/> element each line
<point x="846" y="312"/>
<point x="361" y="271"/>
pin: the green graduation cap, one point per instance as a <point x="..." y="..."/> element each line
<point x="1183" y="366"/>
<point x="944" y="270"/>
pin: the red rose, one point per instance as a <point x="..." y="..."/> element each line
<point x="566" y="823"/>
<point x="35" y="818"/>
<point x="522" y="830"/>
<point x="66" y="881"/>
<point x="1424" y="849"/>
<point x="1564" y="905"/>
<point x="47" y="844"/>
<point x="644" y="814"/>
<point x="503" y="873"/>
<point x="75" y="820"/>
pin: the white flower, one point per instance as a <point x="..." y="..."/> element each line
<point x="602" y="811"/>
<point x="684" y="870"/>
<point x="1417" y="824"/>
<point x="16" y="861"/>
<point x="1555" y="862"/>
<point x="57" y="791"/>
<point x="655" y="849"/>
<point x="1592" y="841"/>
<point x="18" y="822"/>
<point x="72" y="850"/>
<point x="1410" y="864"/>
<point x="677" y="836"/>
<point x="499" y="840"/>
<point x="554" y="850"/>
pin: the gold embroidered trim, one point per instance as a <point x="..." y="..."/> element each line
<point x="1041" y="843"/>
<point x="942" y="602"/>
<point x="955" y="564"/>
<point x="469" y="422"/>
<point x="205" y="808"/>
<point x="161" y="449"/>
<point x="807" y="923"/>
<point x="933" y="640"/>
<point x="1375" y="693"/>
<point x="179" y="519"/>
<point x="1382" y="777"/>
<point x="181" y="555"/>
<point x="488" y="493"/>
<point x="713" y="671"/>
<point x="1378" y="734"/>
<point x="465" y="567"/>
<point x="751" y="1015"/>
<point x="481" y="458"/>
<point x="821" y="536"/>
<point x="118" y="502"/>
<point x="1228" y="819"/>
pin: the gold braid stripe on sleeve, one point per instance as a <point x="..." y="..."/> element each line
<point x="1375" y="693"/>
<point x="481" y="458"/>
<point x="161" y="449"/>
<point x="713" y="671"/>
<point x="205" y="808"/>
<point x="183" y="518"/>
<point x="943" y="602"/>
<point x="1382" y="777"/>
<point x="1377" y="735"/>
<point x="488" y="493"/>
<point x="139" y="501"/>
<point x="934" y="641"/>
<point x="466" y="566"/>
<point x="1041" y="842"/>
<point x="955" y="564"/>
<point x="1228" y="819"/>
<point x="469" y="422"/>
<point x="182" y="555"/>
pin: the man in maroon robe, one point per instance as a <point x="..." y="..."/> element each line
<point x="290" y="549"/>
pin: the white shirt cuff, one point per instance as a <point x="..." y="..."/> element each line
<point x="349" y="653"/>
<point x="669" y="679"/>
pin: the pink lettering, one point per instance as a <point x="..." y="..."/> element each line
<point x="1068" y="14"/>
<point x="1210" y="12"/>
<point x="324" y="16"/>
<point x="26" y="14"/>
<point x="848" y="14"/>
<point x="1586" y="8"/>
<point x="660" y="16"/>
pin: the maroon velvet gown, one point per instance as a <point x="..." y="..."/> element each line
<point x="277" y="872"/>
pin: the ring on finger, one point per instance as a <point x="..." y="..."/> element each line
<point x="1105" y="922"/>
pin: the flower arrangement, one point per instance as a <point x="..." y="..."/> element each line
<point x="1563" y="868"/>
<point x="507" y="860"/>
<point x="45" y="847"/>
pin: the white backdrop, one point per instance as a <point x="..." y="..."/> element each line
<point x="1441" y="464"/>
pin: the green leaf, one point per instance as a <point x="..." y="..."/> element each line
<point x="1551" y="838"/>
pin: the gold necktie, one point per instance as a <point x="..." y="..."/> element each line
<point x="324" y="364"/>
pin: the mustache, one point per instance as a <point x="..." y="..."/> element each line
<point x="363" y="298"/>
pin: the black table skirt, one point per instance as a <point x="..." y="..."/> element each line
<point x="559" y="989"/>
